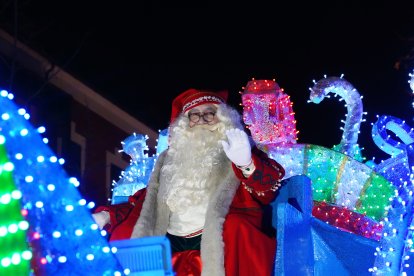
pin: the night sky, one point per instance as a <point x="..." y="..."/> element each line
<point x="140" y="56"/>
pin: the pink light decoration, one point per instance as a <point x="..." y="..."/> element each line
<point x="347" y="220"/>
<point x="268" y="113"/>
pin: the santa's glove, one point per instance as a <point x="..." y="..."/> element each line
<point x="101" y="218"/>
<point x="238" y="148"/>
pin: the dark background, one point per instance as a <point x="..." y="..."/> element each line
<point x="141" y="55"/>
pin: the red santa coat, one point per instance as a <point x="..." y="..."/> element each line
<point x="237" y="237"/>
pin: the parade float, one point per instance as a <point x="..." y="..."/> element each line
<point x="335" y="211"/>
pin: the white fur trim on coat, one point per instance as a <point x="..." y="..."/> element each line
<point x="154" y="217"/>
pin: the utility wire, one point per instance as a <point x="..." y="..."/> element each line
<point x="49" y="75"/>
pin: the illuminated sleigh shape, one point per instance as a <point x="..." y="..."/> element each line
<point x="335" y="181"/>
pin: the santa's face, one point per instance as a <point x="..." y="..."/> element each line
<point x="195" y="161"/>
<point x="203" y="116"/>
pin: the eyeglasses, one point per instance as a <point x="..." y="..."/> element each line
<point x="207" y="116"/>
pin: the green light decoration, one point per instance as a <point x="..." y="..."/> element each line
<point x="15" y="254"/>
<point x="319" y="168"/>
<point x="337" y="179"/>
<point x="375" y="197"/>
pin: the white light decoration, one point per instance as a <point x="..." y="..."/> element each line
<point x="16" y="194"/>
<point x="8" y="166"/>
<point x="15" y="259"/>
<point x="51" y="187"/>
<point x="24" y="132"/>
<point x="13" y="228"/>
<point x="3" y="93"/>
<point x="62" y="259"/>
<point x="21" y="111"/>
<point x="40" y="158"/>
<point x="74" y="181"/>
<point x="411" y="81"/>
<point x="5" y="116"/>
<point x="41" y="129"/>
<point x="344" y="89"/>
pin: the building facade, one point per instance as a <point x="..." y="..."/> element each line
<point x="83" y="128"/>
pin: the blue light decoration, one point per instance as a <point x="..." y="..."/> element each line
<point x="62" y="234"/>
<point x="411" y="82"/>
<point x="395" y="254"/>
<point x="135" y="177"/>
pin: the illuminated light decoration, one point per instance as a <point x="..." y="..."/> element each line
<point x="395" y="253"/>
<point x="268" y="113"/>
<point x="136" y="175"/>
<point x="411" y="82"/>
<point x="162" y="141"/>
<point x="341" y="87"/>
<point x="395" y="168"/>
<point x="384" y="140"/>
<point x="14" y="259"/>
<point x="347" y="193"/>
<point x="396" y="247"/>
<point x="347" y="220"/>
<point x="350" y="195"/>
<point x="337" y="178"/>
<point x="57" y="223"/>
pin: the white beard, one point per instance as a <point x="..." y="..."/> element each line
<point x="188" y="175"/>
<point x="194" y="161"/>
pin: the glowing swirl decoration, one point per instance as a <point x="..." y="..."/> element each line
<point x="395" y="252"/>
<point x="342" y="88"/>
<point x="385" y="142"/>
<point x="384" y="132"/>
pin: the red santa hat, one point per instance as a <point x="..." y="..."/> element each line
<point x="193" y="97"/>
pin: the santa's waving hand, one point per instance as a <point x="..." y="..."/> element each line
<point x="238" y="148"/>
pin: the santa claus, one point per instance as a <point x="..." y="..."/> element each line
<point x="208" y="193"/>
